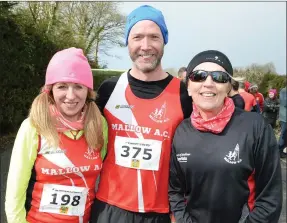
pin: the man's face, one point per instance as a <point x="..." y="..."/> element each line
<point x="253" y="90"/>
<point x="184" y="75"/>
<point x="146" y="45"/>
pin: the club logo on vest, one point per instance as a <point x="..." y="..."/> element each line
<point x="91" y="154"/>
<point x="182" y="157"/>
<point x="159" y="114"/>
<point x="233" y="156"/>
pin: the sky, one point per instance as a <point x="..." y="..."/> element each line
<point x="247" y="32"/>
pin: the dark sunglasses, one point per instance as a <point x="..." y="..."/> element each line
<point x="217" y="76"/>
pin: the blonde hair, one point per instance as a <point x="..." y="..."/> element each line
<point x="44" y="123"/>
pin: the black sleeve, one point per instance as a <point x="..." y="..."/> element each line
<point x="268" y="182"/>
<point x="267" y="106"/>
<point x="277" y="105"/>
<point x="238" y="102"/>
<point x="176" y="190"/>
<point x="255" y="108"/>
<point x="104" y="92"/>
<point x="186" y="101"/>
<point x="242" y="104"/>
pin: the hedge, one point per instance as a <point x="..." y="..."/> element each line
<point x="25" y="53"/>
<point x="274" y="81"/>
<point x="23" y="60"/>
<point x="101" y="74"/>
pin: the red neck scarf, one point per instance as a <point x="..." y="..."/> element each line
<point x="63" y="124"/>
<point x="217" y="123"/>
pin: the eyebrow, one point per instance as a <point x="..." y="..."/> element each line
<point x="140" y="33"/>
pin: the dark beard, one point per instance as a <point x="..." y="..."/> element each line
<point x="149" y="69"/>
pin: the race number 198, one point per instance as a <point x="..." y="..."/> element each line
<point x="65" y="200"/>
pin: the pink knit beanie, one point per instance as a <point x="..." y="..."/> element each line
<point x="274" y="91"/>
<point x="69" y="65"/>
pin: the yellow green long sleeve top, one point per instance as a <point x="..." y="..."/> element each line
<point x="24" y="155"/>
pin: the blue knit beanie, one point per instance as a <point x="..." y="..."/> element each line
<point x="146" y="12"/>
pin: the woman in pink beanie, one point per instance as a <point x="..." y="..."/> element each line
<point x="271" y="108"/>
<point x="58" y="152"/>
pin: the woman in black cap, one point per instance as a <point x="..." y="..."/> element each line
<point x="224" y="167"/>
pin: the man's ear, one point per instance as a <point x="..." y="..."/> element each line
<point x="229" y="89"/>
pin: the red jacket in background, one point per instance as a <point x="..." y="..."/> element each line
<point x="260" y="99"/>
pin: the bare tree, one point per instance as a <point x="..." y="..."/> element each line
<point x="95" y="27"/>
<point x="255" y="72"/>
<point x="41" y="14"/>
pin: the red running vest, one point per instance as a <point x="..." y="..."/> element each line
<point x="62" y="186"/>
<point x="136" y="170"/>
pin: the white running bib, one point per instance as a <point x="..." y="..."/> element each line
<point x="137" y="153"/>
<point x="65" y="200"/>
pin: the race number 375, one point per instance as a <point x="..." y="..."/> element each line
<point x="137" y="153"/>
<point x="65" y="200"/>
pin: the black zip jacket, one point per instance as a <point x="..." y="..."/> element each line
<point x="231" y="177"/>
<point x="270" y="110"/>
<point x="238" y="101"/>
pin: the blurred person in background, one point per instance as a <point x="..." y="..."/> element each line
<point x="235" y="96"/>
<point x="250" y="102"/>
<point x="246" y="86"/>
<point x="253" y="89"/>
<point x="182" y="74"/>
<point x="282" y="119"/>
<point x="271" y="108"/>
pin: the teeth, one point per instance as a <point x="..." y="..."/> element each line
<point x="147" y="56"/>
<point x="71" y="104"/>
<point x="208" y="94"/>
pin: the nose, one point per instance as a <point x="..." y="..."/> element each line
<point x="70" y="93"/>
<point x="208" y="82"/>
<point x="145" y="43"/>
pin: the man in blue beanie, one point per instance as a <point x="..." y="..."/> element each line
<point x="142" y="107"/>
<point x="146" y="12"/>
